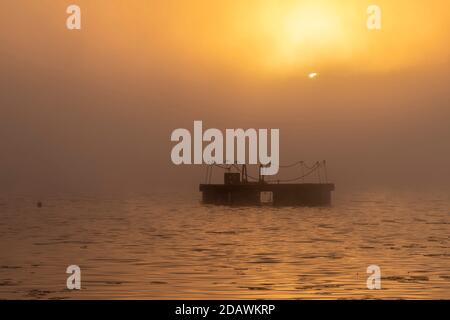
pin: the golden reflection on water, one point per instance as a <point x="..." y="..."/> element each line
<point x="171" y="246"/>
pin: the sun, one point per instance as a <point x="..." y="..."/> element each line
<point x="308" y="31"/>
<point x="309" y="25"/>
<point x="299" y="34"/>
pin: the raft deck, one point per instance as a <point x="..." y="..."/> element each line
<point x="301" y="194"/>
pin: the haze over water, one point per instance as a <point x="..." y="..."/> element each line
<point x="92" y="110"/>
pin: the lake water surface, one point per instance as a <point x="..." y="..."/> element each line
<point x="171" y="246"/>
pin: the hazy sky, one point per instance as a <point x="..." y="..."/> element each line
<point x="93" y="109"/>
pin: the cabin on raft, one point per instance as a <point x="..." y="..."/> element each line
<point x="238" y="189"/>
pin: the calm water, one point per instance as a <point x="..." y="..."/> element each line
<point x="171" y="246"/>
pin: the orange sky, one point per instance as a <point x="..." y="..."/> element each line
<point x="97" y="106"/>
<point x="258" y="36"/>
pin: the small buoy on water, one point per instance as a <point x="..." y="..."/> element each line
<point x="39" y="204"/>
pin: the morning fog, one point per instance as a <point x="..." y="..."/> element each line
<point x="228" y="148"/>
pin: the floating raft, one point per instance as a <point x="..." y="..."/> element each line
<point x="235" y="192"/>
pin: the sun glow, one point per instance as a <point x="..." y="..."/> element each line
<point x="302" y="33"/>
<point x="309" y="26"/>
<point x="296" y="35"/>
